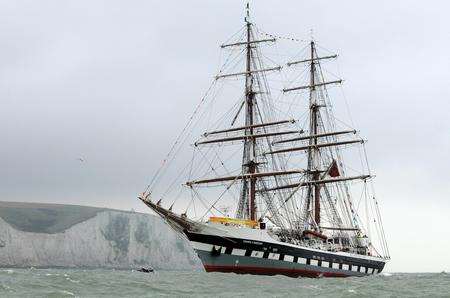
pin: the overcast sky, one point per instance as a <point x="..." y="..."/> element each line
<point x="113" y="82"/>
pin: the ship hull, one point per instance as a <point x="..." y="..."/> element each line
<point x="250" y="256"/>
<point x="249" y="265"/>
<point x="243" y="250"/>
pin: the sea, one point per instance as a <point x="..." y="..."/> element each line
<point x="130" y="283"/>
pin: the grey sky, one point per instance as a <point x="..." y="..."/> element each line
<point x="113" y="82"/>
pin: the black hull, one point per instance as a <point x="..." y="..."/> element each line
<point x="241" y="256"/>
<point x="220" y="253"/>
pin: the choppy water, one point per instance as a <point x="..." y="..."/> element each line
<point x="110" y="283"/>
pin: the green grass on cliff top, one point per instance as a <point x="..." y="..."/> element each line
<point x="45" y="218"/>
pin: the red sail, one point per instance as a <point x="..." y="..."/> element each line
<point x="334" y="170"/>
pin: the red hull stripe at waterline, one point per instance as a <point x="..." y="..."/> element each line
<point x="271" y="271"/>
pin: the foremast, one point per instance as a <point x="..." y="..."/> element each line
<point x="249" y="166"/>
<point x="257" y="130"/>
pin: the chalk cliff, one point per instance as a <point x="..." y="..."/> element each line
<point x="43" y="235"/>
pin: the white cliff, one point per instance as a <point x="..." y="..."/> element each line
<point x="111" y="239"/>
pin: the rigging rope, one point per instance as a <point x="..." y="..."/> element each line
<point x="278" y="36"/>
<point x="191" y="118"/>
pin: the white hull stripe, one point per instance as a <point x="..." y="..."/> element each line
<point x="201" y="246"/>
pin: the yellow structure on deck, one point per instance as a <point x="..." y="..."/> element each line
<point x="234" y="221"/>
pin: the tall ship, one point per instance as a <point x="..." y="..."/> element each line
<point x="266" y="177"/>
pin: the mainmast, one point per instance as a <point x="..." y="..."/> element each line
<point x="313" y="150"/>
<point x="315" y="170"/>
<point x="249" y="157"/>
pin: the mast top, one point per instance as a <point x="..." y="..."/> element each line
<point x="247" y="13"/>
<point x="311" y="35"/>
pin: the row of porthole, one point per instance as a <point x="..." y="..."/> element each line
<point x="314" y="262"/>
<point x="343" y="266"/>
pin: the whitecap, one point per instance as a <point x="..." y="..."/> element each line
<point x="67" y="293"/>
<point x="72" y="280"/>
<point x="311" y="287"/>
